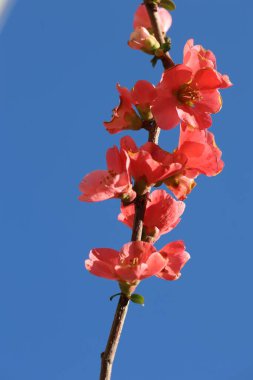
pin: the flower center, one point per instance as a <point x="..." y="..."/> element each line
<point x="188" y="95"/>
<point x="132" y="262"/>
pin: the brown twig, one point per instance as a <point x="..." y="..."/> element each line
<point x="107" y="357"/>
<point x="152" y="10"/>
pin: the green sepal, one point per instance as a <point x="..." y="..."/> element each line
<point x="137" y="298"/>
<point x="167" y="45"/>
<point x="168" y="4"/>
<point x="154" y="61"/>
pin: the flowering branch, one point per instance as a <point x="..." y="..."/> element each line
<point x="187" y="94"/>
<point x="107" y="357"/>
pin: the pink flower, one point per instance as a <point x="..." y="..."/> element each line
<point x="177" y="257"/>
<point x="202" y="156"/>
<point x="112" y="183"/>
<point x="196" y="57"/>
<point x="124" y="116"/>
<point x="201" y="151"/>
<point x="137" y="261"/>
<point x="141" y="18"/>
<point x="142" y="95"/>
<point x="188" y="96"/>
<point x="180" y="185"/>
<point x="141" y="39"/>
<point x="134" y="262"/>
<point x="161" y="216"/>
<point x="149" y="164"/>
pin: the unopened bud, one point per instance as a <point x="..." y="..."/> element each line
<point x="141" y="39"/>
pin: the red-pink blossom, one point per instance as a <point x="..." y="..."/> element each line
<point x="149" y="163"/>
<point x="177" y="257"/>
<point x="141" y="39"/>
<point x="133" y="263"/>
<point x="112" y="183"/>
<point x="180" y="185"/>
<point x="141" y="18"/>
<point x="124" y="116"/>
<point x="161" y="216"/>
<point x="137" y="261"/>
<point x="203" y="155"/>
<point x="142" y="95"/>
<point x="196" y="57"/>
<point x="188" y="96"/>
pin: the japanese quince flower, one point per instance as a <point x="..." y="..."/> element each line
<point x="201" y="151"/>
<point x="141" y="18"/>
<point x="188" y="96"/>
<point x="112" y="183"/>
<point x="142" y="94"/>
<point x="141" y="39"/>
<point x="177" y="257"/>
<point x="137" y="261"/>
<point x="202" y="157"/>
<point x="180" y="185"/>
<point x="161" y="216"/>
<point x="133" y="263"/>
<point x="124" y="116"/>
<point x="149" y="163"/>
<point x="196" y="57"/>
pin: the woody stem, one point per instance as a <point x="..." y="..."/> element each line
<point x="152" y="9"/>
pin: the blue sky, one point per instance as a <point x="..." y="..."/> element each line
<point x="60" y="62"/>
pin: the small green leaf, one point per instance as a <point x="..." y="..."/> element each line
<point x="137" y="298"/>
<point x="168" y="4"/>
<point x="114" y="295"/>
<point x="154" y="61"/>
<point x="167" y="45"/>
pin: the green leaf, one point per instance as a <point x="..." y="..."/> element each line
<point x="168" y="4"/>
<point x="137" y="298"/>
<point x="154" y="61"/>
<point x="167" y="45"/>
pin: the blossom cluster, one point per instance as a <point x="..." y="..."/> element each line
<point x="186" y="97"/>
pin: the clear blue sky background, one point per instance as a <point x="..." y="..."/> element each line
<point x="59" y="63"/>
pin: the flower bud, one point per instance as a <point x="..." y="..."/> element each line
<point x="141" y="39"/>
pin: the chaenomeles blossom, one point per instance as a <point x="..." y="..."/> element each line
<point x="196" y="57"/>
<point x="200" y="148"/>
<point x="142" y="95"/>
<point x="141" y="18"/>
<point x="150" y="164"/>
<point x="137" y="261"/>
<point x="124" y="116"/>
<point x="180" y="185"/>
<point x="162" y="214"/>
<point x="112" y="183"/>
<point x="187" y="96"/>
<point x="177" y="257"/>
<point x="202" y="157"/>
<point x="141" y="39"/>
